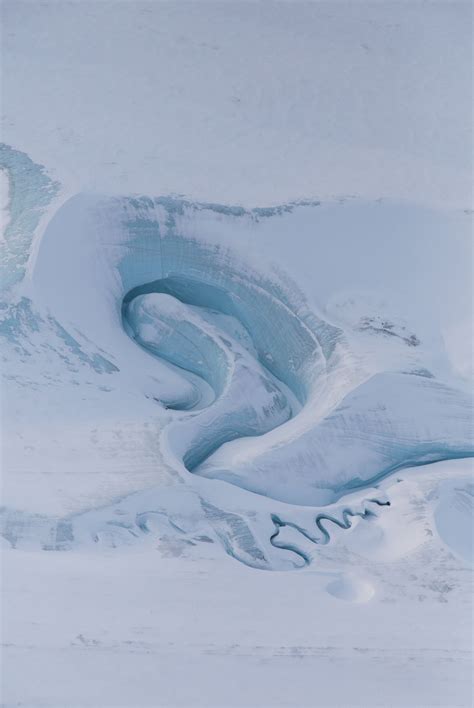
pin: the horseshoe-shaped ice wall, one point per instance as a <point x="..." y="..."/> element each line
<point x="168" y="300"/>
<point x="332" y="424"/>
<point x="162" y="260"/>
<point x="265" y="356"/>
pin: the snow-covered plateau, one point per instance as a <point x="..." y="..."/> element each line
<point x="236" y="335"/>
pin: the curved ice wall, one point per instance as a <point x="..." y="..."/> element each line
<point x="351" y="429"/>
<point x="252" y="345"/>
<point x="159" y="259"/>
<point x="263" y="392"/>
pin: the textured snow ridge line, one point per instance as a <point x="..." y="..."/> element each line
<point x="30" y="191"/>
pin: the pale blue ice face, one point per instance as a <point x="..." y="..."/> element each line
<point x="387" y="423"/>
<point x="211" y="278"/>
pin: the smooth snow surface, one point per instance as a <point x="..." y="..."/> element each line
<point x="236" y="319"/>
<point x="258" y="103"/>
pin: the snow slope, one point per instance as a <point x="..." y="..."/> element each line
<point x="333" y="98"/>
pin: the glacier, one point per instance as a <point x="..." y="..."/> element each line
<point x="242" y="378"/>
<point x="236" y="355"/>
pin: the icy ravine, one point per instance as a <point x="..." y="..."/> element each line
<point x="248" y="399"/>
<point x="335" y="458"/>
<point x="346" y="435"/>
<point x="293" y="408"/>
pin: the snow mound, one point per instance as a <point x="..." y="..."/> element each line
<point x="351" y="589"/>
<point x="454" y="517"/>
